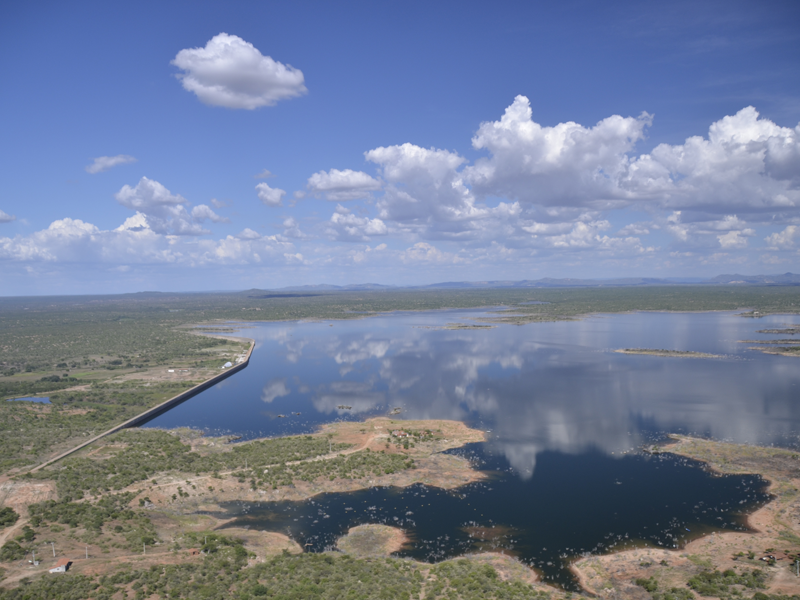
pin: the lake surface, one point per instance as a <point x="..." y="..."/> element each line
<point x="560" y="407"/>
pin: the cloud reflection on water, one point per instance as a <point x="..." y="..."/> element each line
<point x="544" y="387"/>
<point x="558" y="387"/>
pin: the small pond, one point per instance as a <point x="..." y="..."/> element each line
<point x="40" y="399"/>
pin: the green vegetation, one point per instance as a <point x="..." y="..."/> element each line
<point x="11" y="550"/>
<point x="726" y="585"/>
<point x="134" y="526"/>
<point x="31" y="431"/>
<point x="465" y="580"/>
<point x="147" y="452"/>
<point x="108" y="521"/>
<point x="720" y="584"/>
<point x="270" y="463"/>
<point x="8" y="516"/>
<point x="23" y="389"/>
<point x="649" y="584"/>
<point x="352" y="466"/>
<point x="223" y="574"/>
<point x="673" y="593"/>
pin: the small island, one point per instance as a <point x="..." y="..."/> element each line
<point x="669" y="353"/>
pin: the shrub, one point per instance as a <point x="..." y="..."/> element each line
<point x="8" y="516"/>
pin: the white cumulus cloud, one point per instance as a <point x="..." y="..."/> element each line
<point x="163" y="212"/>
<point x="745" y="163"/>
<point x="735" y="239"/>
<point x="783" y="240"/>
<point x="338" y="186"/>
<point x="201" y="212"/>
<point x="231" y="72"/>
<point x="104" y="163"/>
<point x="427" y="195"/>
<point x="270" y="196"/>
<point x="345" y="225"/>
<point x="567" y="164"/>
<point x="6" y="218"/>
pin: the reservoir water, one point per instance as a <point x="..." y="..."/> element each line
<point x="560" y="408"/>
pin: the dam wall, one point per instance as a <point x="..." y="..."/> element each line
<point x="160" y="408"/>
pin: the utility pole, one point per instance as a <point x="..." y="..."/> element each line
<point x="144" y="548"/>
<point x="87" y="552"/>
<point x="54" y="549"/>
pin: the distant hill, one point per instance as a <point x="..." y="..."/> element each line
<point x="549" y="282"/>
<point x="785" y="279"/>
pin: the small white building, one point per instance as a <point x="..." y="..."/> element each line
<point x="61" y="566"/>
<point x="227" y="364"/>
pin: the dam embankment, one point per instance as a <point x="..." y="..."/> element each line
<point x="160" y="408"/>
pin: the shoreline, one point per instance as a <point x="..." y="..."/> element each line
<point x="595" y="574"/>
<point x="719" y="550"/>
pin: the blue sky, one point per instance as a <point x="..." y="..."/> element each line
<point x="199" y="146"/>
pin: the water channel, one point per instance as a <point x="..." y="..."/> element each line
<point x="564" y="415"/>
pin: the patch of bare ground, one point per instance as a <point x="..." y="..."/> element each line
<point x="432" y="468"/>
<point x="93" y="554"/>
<point x="775" y="531"/>
<point x="180" y="374"/>
<point x="372" y="540"/>
<point x="19" y="494"/>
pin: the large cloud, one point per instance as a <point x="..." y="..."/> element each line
<point x="747" y="164"/>
<point x="164" y="212"/>
<point x="104" y="163"/>
<point x="339" y="186"/>
<point x="555" y="187"/>
<point x="568" y="164"/>
<point x="426" y="193"/>
<point x="231" y="72"/>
